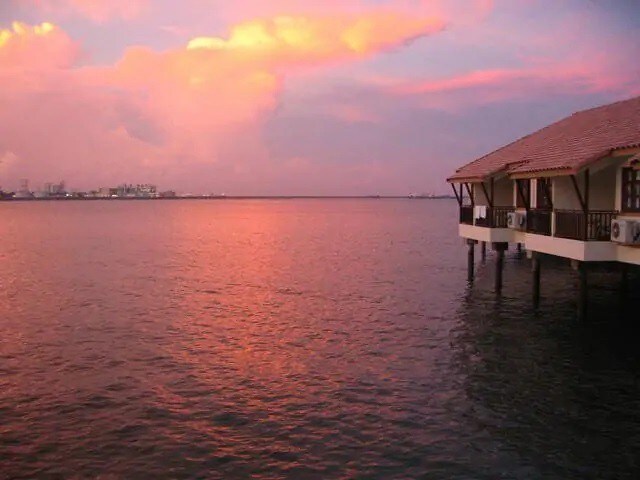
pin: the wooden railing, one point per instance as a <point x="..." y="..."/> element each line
<point x="496" y="217"/>
<point x="539" y="221"/>
<point x="486" y="221"/>
<point x="576" y="225"/>
<point x="466" y="214"/>
<point x="500" y="215"/>
<point x="571" y="224"/>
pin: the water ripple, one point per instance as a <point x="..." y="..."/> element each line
<point x="302" y="339"/>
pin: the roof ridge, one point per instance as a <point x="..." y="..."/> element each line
<point x="565" y="143"/>
<point x="607" y="105"/>
<point x="492" y="152"/>
<point x="515" y="141"/>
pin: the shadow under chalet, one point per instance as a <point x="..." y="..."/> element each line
<point x="571" y="189"/>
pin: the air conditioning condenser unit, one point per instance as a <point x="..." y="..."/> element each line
<point x="517" y="220"/>
<point x="625" y="232"/>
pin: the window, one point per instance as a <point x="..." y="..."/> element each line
<point x="523" y="186"/>
<point x="630" y="190"/>
<point x="543" y="193"/>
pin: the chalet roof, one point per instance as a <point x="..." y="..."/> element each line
<point x="568" y="144"/>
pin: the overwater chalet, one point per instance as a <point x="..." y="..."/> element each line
<point x="571" y="189"/>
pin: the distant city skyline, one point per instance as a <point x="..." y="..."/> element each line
<point x="295" y="97"/>
<point x="60" y="190"/>
<point x="26" y="188"/>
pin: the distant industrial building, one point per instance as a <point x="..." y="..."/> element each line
<point x="141" y="190"/>
<point x="52" y="190"/>
<point x="23" y="191"/>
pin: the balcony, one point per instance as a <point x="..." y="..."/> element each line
<point x="576" y="225"/>
<point x="466" y="214"/>
<point x="539" y="221"/>
<point x="569" y="224"/>
<point x="496" y="217"/>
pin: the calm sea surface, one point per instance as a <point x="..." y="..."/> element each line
<point x="298" y="339"/>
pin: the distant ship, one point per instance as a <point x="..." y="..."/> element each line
<point x="422" y="195"/>
<point x="428" y="195"/>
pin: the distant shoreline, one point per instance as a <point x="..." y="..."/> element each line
<point x="230" y="197"/>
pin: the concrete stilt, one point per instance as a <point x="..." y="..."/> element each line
<point x="624" y="287"/>
<point x="535" y="269"/>
<point x="583" y="291"/>
<point x="471" y="244"/>
<point x="500" y="249"/>
<point x="483" y="251"/>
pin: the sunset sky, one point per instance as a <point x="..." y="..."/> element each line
<point x="295" y="96"/>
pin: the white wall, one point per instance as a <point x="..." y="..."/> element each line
<point x="563" y="193"/>
<point x="502" y="192"/>
<point x="561" y="247"/>
<point x="602" y="190"/>
<point x="478" y="194"/>
<point x="482" y="234"/>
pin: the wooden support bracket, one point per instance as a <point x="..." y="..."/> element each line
<point x="458" y="197"/>
<point x="486" y="194"/>
<point x="470" y="192"/>
<point x="578" y="193"/>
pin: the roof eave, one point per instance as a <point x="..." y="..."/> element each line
<point x="560" y="171"/>
<point x="549" y="172"/>
<point x="481" y="178"/>
<point x="472" y="179"/>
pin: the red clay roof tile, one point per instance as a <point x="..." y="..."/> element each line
<point x="570" y="143"/>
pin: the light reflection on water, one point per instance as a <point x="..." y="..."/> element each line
<point x="299" y="339"/>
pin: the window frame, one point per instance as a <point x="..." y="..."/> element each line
<point x="544" y="193"/>
<point x="526" y="188"/>
<point x="629" y="194"/>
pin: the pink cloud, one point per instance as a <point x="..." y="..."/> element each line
<point x="492" y="85"/>
<point x="461" y="11"/>
<point x="286" y="39"/>
<point x="25" y="48"/>
<point x="561" y="60"/>
<point x="215" y="87"/>
<point x="352" y="113"/>
<point x="156" y="112"/>
<point x="95" y="10"/>
<point x="175" y="114"/>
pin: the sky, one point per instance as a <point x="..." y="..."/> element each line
<point x="295" y="97"/>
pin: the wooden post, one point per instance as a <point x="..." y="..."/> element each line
<point x="499" y="266"/>
<point x="519" y="248"/>
<point x="583" y="291"/>
<point x="535" y="268"/>
<point x="586" y="205"/>
<point x="483" y="251"/>
<point x="499" y="248"/>
<point x="624" y="288"/>
<point x="470" y="259"/>
<point x="492" y="191"/>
